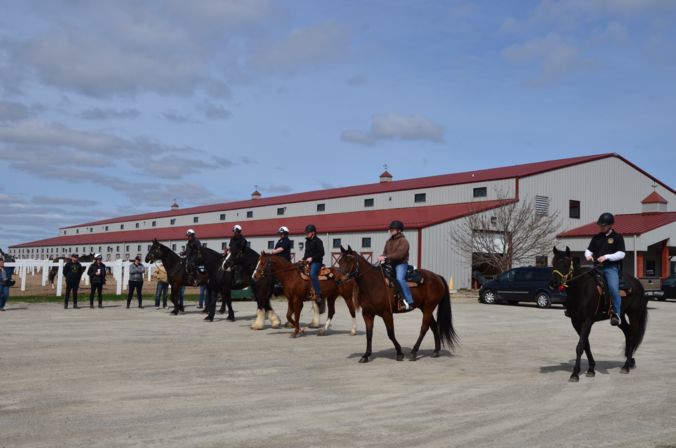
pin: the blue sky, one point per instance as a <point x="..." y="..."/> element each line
<point x="117" y="107"/>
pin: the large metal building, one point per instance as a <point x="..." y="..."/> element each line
<point x="579" y="188"/>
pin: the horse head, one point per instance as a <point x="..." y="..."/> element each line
<point x="264" y="262"/>
<point x="348" y="263"/>
<point x="563" y="269"/>
<point x="155" y="252"/>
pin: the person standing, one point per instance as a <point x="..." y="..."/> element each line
<point x="5" y="279"/>
<point x="396" y="254"/>
<point x="97" y="278"/>
<point x="73" y="272"/>
<point x="162" y="289"/>
<point x="136" y="271"/>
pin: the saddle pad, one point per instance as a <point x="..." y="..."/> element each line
<point x="390" y="284"/>
<point x="306" y="277"/>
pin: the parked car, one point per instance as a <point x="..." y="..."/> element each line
<point x="668" y="288"/>
<point x="526" y="284"/>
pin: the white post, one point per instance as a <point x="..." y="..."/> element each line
<point x="125" y="275"/>
<point x="86" y="277"/>
<point x="59" y="279"/>
<point x="45" y="271"/>
<point x="23" y="279"/>
<point x="117" y="273"/>
<point x="149" y="269"/>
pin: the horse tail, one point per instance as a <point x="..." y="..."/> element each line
<point x="641" y="318"/>
<point x="449" y="337"/>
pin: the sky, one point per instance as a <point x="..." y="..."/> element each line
<point x="110" y="108"/>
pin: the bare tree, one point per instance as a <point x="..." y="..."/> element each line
<point x="511" y="234"/>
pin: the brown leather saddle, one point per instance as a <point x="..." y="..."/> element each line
<point x="324" y="273"/>
<point x="414" y="279"/>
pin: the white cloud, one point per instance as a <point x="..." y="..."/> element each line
<point x="396" y="127"/>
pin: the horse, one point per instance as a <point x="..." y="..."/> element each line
<point x="176" y="271"/>
<point x="297" y="290"/>
<point x="220" y="281"/>
<point x="583" y="306"/>
<point x="376" y="299"/>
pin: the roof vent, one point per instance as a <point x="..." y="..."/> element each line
<point x="256" y="194"/>
<point x="654" y="203"/>
<point x="174" y="205"/>
<point x="385" y="176"/>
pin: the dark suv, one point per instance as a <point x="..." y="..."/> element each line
<point x="527" y="284"/>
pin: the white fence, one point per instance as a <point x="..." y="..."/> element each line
<point x="119" y="268"/>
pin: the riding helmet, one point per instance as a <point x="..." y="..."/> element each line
<point x="310" y="228"/>
<point x="237" y="228"/>
<point x="98" y="257"/>
<point x="283" y="229"/>
<point x="190" y="232"/>
<point x="396" y="224"/>
<point x="606" y="219"/>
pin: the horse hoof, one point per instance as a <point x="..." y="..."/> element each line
<point x="632" y="363"/>
<point x="363" y="359"/>
<point x="313" y="326"/>
<point x="574" y="379"/>
<point x="353" y="332"/>
<point x="209" y="319"/>
<point x="411" y="357"/>
<point x="624" y="370"/>
<point x="231" y="318"/>
<point x="275" y="326"/>
<point x="322" y="332"/>
<point x="591" y="374"/>
<point x="435" y="355"/>
<point x="288" y="325"/>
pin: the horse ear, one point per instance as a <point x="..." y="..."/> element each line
<point x="342" y="249"/>
<point x="556" y="251"/>
<point x="349" y="248"/>
<point x="567" y="250"/>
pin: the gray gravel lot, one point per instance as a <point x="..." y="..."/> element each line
<point x="118" y="377"/>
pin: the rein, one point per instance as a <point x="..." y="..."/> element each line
<point x="349" y="276"/>
<point x="565" y="278"/>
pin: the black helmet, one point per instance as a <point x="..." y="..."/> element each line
<point x="310" y="228"/>
<point x="396" y="225"/>
<point x="606" y="219"/>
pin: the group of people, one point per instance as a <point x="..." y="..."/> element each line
<point x="96" y="272"/>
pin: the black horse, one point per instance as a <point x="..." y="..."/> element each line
<point x="176" y="271"/>
<point x="585" y="305"/>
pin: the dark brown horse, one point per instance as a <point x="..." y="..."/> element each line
<point x="584" y="306"/>
<point x="376" y="299"/>
<point x="176" y="271"/>
<point x="297" y="290"/>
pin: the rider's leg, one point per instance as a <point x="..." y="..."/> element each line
<point x="611" y="273"/>
<point x="401" y="278"/>
<point x="314" y="276"/>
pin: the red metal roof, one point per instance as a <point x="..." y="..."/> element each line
<point x="507" y="172"/>
<point x="362" y="221"/>
<point x="654" y="198"/>
<point x="629" y="224"/>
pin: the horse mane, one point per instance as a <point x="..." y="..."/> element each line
<point x="210" y="254"/>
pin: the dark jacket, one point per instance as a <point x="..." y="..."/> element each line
<point x="94" y="278"/>
<point x="192" y="248"/>
<point x="396" y="249"/>
<point x="237" y="244"/>
<point x="73" y="272"/>
<point x="314" y="248"/>
<point x="284" y="243"/>
<point x="602" y="244"/>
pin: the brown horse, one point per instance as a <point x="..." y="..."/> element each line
<point x="297" y="290"/>
<point x="377" y="299"/>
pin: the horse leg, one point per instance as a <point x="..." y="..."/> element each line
<point x="389" y="324"/>
<point x="271" y="315"/>
<point x="368" y="320"/>
<point x="427" y="314"/>
<point x="350" y="307"/>
<point x="437" y="339"/>
<point x="174" y="299"/>
<point x="290" y="323"/>
<point x="210" y="305"/>
<point x="314" y="323"/>
<point x="223" y="305"/>
<point x="332" y="310"/>
<point x="297" y="308"/>
<point x="585" y="329"/>
<point x="630" y="362"/>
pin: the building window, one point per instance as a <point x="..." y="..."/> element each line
<point x="204" y="244"/>
<point x="480" y="192"/>
<point x="91" y="229"/>
<point x="321" y="207"/>
<point x="541" y="261"/>
<point x="127" y="249"/>
<point x="77" y="230"/>
<point x="271" y="245"/>
<point x="336" y="243"/>
<point x="541" y="205"/>
<point x="420" y="197"/>
<point x="248" y="244"/>
<point x="173" y="247"/>
<point x="65" y="232"/>
<point x="366" y="242"/>
<point x="106" y="228"/>
<point x="249" y="214"/>
<point x="121" y="226"/>
<point x="195" y="219"/>
<point x="574" y="209"/>
<point x="117" y="248"/>
<point x="154" y="223"/>
<point x="222" y="217"/>
<point x="138" y="248"/>
<point x="368" y="202"/>
<point x="137" y="225"/>
<point x="494" y="220"/>
<point x="224" y="245"/>
<point x="291" y="243"/>
<point x="280" y="211"/>
<point x="100" y="248"/>
<point x="172" y="221"/>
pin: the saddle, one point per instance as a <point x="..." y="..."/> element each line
<point x="602" y="288"/>
<point x="414" y="278"/>
<point x="324" y="273"/>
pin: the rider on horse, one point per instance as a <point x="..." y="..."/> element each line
<point x="607" y="248"/>
<point x="396" y="254"/>
<point x="192" y="251"/>
<point x="314" y="254"/>
<point x="236" y="247"/>
<point x="283" y="246"/>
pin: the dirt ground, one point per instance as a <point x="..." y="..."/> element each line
<point x="123" y="378"/>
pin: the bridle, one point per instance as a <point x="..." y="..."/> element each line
<point x="262" y="272"/>
<point x="567" y="277"/>
<point x="354" y="274"/>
